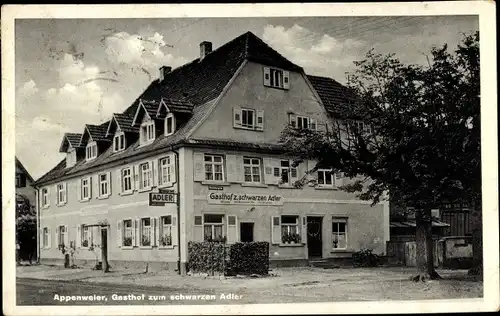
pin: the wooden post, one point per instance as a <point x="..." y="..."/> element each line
<point x="104" y="249"/>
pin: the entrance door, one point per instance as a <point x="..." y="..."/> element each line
<point x="314" y="238"/>
<point x="246" y="232"/>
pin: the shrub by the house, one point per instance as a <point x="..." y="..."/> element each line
<point x="206" y="256"/>
<point x="249" y="257"/>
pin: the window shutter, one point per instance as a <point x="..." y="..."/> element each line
<point x="293" y="120"/>
<point x="199" y="171"/>
<point x="301" y="170"/>
<point x="136" y="177"/>
<point x="267" y="76"/>
<point x="110" y="182"/>
<point x="286" y="80"/>
<point x="91" y="236"/>
<point x="260" y="120"/>
<point x="119" y="180"/>
<point x="57" y="195"/>
<point x="339" y="179"/>
<point x="42" y="245"/>
<point x="236" y="117"/>
<point x="232" y="229"/>
<point x="119" y="234"/>
<point x="154" y="172"/>
<point x="173" y="167"/>
<point x="239" y="169"/>
<point x="90" y="187"/>
<point x="79" y="190"/>
<point x="174" y="231"/>
<point x="49" y="238"/>
<point x="152" y="222"/>
<point x="313" y="125"/>
<point x="65" y="188"/>
<point x="269" y="165"/>
<point x="95" y="184"/>
<point x="304" y="230"/>
<point x="157" y="231"/>
<point x="58" y="242"/>
<point x="231" y="169"/>
<point x="79" y="236"/>
<point x="134" y="232"/>
<point x="66" y="236"/>
<point x="275" y="229"/>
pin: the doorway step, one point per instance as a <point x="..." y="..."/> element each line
<point x="334" y="263"/>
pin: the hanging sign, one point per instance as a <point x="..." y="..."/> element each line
<point x="244" y="198"/>
<point x="160" y="199"/>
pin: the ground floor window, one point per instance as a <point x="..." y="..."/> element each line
<point x="146" y="231"/>
<point x="61" y="235"/>
<point x="213" y="227"/>
<point x="85" y="236"/>
<point x="339" y="233"/>
<point x="127" y="233"/>
<point x="165" y="231"/>
<point x="46" y="236"/>
<point x="290" y="229"/>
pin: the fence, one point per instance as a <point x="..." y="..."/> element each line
<point x="405" y="253"/>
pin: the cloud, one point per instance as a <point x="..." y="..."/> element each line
<point x="318" y="53"/>
<point x="28" y="89"/>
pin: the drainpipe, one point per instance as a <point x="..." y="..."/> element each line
<point x="37" y="209"/>
<point x="178" y="203"/>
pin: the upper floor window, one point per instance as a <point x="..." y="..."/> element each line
<point x="276" y="78"/>
<point x="248" y="119"/>
<point x="104" y="185"/>
<point x="91" y="150"/>
<point x="86" y="188"/>
<point x="61" y="193"/>
<point x="119" y="142"/>
<point x="252" y="169"/>
<point x="169" y="124"/>
<point x="326" y="178"/>
<point x="145" y="175"/>
<point x="45" y="197"/>
<point x="147" y="132"/>
<point x="214" y="168"/>
<point x="166" y="170"/>
<point x="20" y="180"/>
<point x="302" y="122"/>
<point x="126" y="180"/>
<point x="286" y="172"/>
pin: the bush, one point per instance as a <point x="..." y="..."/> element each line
<point x="365" y="258"/>
<point x="249" y="258"/>
<point x="206" y="256"/>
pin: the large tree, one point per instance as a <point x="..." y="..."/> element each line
<point x="423" y="141"/>
<point x="25" y="227"/>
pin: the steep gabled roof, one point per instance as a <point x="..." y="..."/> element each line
<point x="96" y="132"/>
<point x="70" y="139"/>
<point x="336" y="98"/>
<point x="174" y="106"/>
<point x="123" y="121"/>
<point x="21" y="166"/>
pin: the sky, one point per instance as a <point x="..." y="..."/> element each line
<point x="72" y="72"/>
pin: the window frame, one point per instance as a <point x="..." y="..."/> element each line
<point x="91" y="151"/>
<point x="145" y="132"/>
<point x="62" y="234"/>
<point x="119" y="139"/>
<point x="100" y="185"/>
<point x="165" y="169"/>
<point x="213" y="163"/>
<point x="61" y="193"/>
<point x="141" y="176"/>
<point x="123" y="179"/>
<point x="45" y="198"/>
<point x="275" y="73"/>
<point x="289" y="225"/>
<point x="340" y="220"/>
<point x="141" y="232"/>
<point x="161" y="231"/>
<point x="46" y="236"/>
<point x="253" y="113"/>
<point x="289" y="172"/>
<point x="125" y="229"/>
<point x="86" y="228"/>
<point x="83" y="189"/>
<point x="172" y="117"/>
<point x="251" y="166"/>
<point x="213" y="225"/>
<point x="324" y="184"/>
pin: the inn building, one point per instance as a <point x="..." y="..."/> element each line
<point x="207" y="133"/>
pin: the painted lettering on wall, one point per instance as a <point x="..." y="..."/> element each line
<point x="244" y="198"/>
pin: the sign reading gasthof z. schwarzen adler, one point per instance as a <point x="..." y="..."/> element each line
<point x="244" y="198"/>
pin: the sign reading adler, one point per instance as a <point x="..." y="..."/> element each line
<point x="244" y="198"/>
<point x="159" y="199"/>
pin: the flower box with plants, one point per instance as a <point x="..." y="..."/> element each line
<point x="291" y="238"/>
<point x="166" y="241"/>
<point x="145" y="241"/>
<point x="127" y="241"/>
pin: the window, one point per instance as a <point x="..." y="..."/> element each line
<point x="45" y="197"/>
<point x="46" y="237"/>
<point x="20" y="180"/>
<point x="126" y="180"/>
<point x="165" y="171"/>
<point x="302" y="122"/>
<point x="61" y="193"/>
<point x="214" y="170"/>
<point x="91" y="150"/>
<point x="276" y="78"/>
<point x="169" y="124"/>
<point x="286" y="172"/>
<point x="147" y="132"/>
<point x="145" y="175"/>
<point x="165" y="231"/>
<point x="251" y="168"/>
<point x="128" y="231"/>
<point x="85" y="188"/>
<point x="290" y="229"/>
<point x="119" y="142"/>
<point x="213" y="227"/>
<point x="325" y="178"/>
<point x="339" y="233"/>
<point x="248" y="118"/>
<point x="146" y="231"/>
<point x="360" y="126"/>
<point x="86" y="236"/>
<point x="62" y="234"/>
<point x="104" y="185"/>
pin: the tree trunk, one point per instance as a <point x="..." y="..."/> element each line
<point x="425" y="247"/>
<point x="477" y="240"/>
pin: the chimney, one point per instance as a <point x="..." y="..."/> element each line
<point x="205" y="49"/>
<point x="164" y="70"/>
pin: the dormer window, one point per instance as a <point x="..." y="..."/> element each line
<point x="147" y="132"/>
<point x="91" y="150"/>
<point x="119" y="142"/>
<point x="169" y="124"/>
